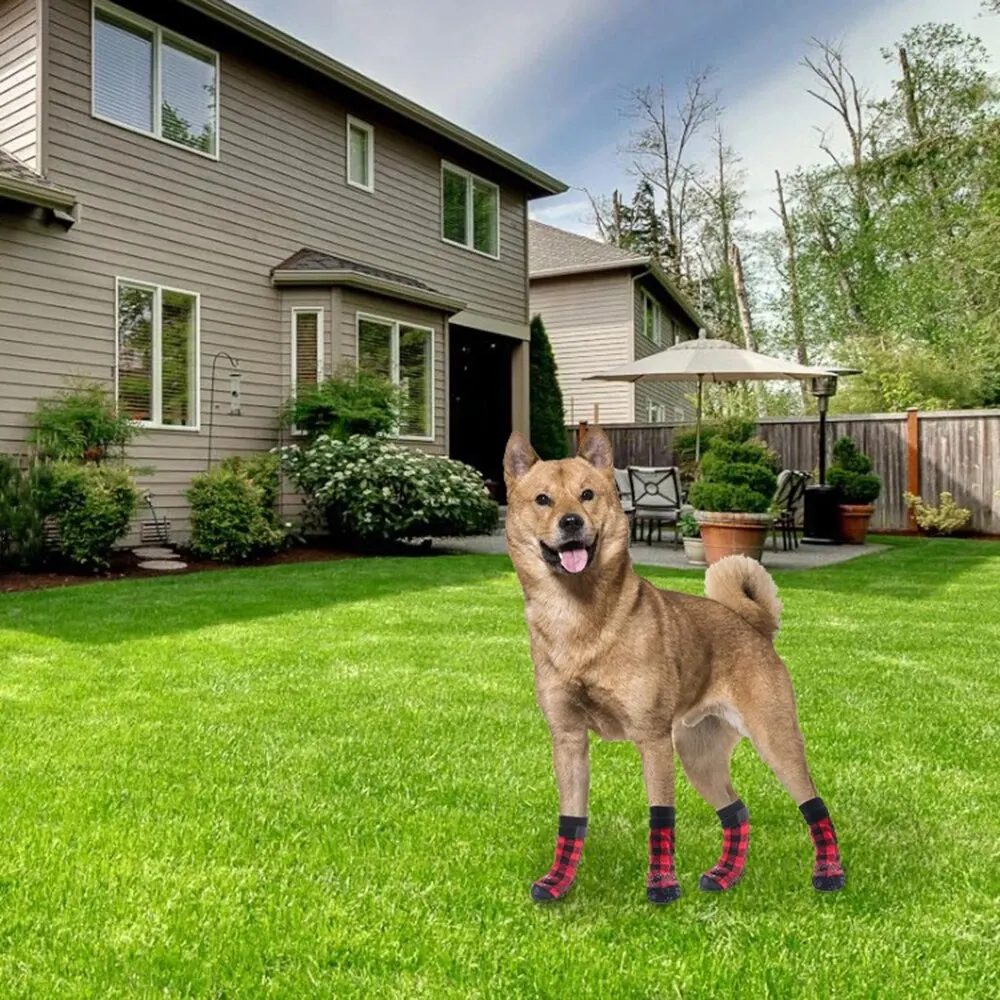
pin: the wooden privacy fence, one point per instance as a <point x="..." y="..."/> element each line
<point x="926" y="453"/>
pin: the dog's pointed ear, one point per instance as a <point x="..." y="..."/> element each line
<point x="518" y="458"/>
<point x="596" y="449"/>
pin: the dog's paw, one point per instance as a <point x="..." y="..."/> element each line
<point x="710" y="883"/>
<point x="829" y="883"/>
<point x="661" y="894"/>
<point x="540" y="894"/>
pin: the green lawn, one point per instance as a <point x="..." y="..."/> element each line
<point x="331" y="780"/>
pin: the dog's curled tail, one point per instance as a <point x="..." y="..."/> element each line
<point x="745" y="586"/>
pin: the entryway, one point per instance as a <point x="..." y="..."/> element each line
<point x="481" y="404"/>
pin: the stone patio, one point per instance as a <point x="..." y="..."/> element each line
<point x="672" y="556"/>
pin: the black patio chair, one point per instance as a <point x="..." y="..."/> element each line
<point x="656" y="493"/>
<point x="787" y="499"/>
<point x="624" y="487"/>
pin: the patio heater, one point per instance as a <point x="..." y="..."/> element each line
<point x="820" y="505"/>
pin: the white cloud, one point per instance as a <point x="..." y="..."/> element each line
<point x="772" y="125"/>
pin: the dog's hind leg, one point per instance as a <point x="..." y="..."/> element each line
<point x="705" y="750"/>
<point x="657" y="755"/>
<point x="778" y="740"/>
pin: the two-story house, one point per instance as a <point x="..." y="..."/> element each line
<point x="185" y="189"/>
<point x="604" y="307"/>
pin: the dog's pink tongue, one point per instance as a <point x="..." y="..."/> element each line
<point x="574" y="560"/>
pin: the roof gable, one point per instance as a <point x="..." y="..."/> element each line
<point x="552" y="249"/>
<point x="539" y="183"/>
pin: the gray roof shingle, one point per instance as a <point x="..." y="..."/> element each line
<point x="317" y="260"/>
<point x="10" y="166"/>
<point x="551" y="249"/>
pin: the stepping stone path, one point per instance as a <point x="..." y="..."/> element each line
<point x="160" y="560"/>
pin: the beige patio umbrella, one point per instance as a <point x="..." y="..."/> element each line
<point x="708" y="359"/>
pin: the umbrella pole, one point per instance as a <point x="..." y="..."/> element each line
<point x="697" y="432"/>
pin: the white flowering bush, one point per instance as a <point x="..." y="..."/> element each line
<point x="371" y="489"/>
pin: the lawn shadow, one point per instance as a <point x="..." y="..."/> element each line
<point x="112" y="612"/>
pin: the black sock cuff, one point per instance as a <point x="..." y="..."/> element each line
<point x="574" y="827"/>
<point x="733" y="815"/>
<point x="661" y="817"/>
<point x="813" y="811"/>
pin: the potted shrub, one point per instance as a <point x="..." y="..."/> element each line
<point x="732" y="498"/>
<point x="690" y="532"/>
<point x="851" y="472"/>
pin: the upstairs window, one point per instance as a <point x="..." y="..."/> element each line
<point x="150" y="80"/>
<point x="360" y="155"/>
<point x="470" y="211"/>
<point x="157" y="355"/>
<point x="655" y="324"/>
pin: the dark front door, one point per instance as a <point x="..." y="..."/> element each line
<point x="481" y="401"/>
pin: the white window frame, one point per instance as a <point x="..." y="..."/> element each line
<point x="157" y="360"/>
<point x="356" y="123"/>
<point x="159" y="34"/>
<point x="394" y="362"/>
<point x="320" y="338"/>
<point x="656" y="413"/>
<point x="469" y="215"/>
<point x="656" y="335"/>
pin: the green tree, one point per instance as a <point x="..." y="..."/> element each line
<point x="548" y="420"/>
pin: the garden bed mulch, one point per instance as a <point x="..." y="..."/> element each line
<point x="125" y="566"/>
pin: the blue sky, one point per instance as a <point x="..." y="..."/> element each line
<point x="545" y="78"/>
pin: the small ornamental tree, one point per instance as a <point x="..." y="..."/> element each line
<point x="548" y="420"/>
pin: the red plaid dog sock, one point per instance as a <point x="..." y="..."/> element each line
<point x="661" y="882"/>
<point x="828" y="873"/>
<point x="569" y="847"/>
<point x="735" y="820"/>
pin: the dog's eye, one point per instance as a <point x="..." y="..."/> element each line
<point x="543" y="500"/>
<point x="587" y="495"/>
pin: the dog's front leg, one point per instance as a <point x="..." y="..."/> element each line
<point x="571" y="758"/>
<point x="658" y="771"/>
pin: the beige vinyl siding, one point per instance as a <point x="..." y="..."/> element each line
<point x="588" y="318"/>
<point x="675" y="396"/>
<point x="20" y="76"/>
<point x="346" y="344"/>
<point x="283" y="148"/>
<point x="166" y="216"/>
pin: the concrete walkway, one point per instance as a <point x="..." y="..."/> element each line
<point x="672" y="556"/>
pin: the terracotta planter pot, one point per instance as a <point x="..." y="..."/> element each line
<point x="694" y="549"/>
<point x="727" y="534"/>
<point x="854" y="520"/>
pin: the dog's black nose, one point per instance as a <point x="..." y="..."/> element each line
<point x="570" y="522"/>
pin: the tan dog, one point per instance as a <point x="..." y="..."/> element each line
<point x="664" y="670"/>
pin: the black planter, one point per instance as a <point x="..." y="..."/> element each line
<point x="821" y="512"/>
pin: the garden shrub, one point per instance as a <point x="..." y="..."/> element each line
<point x="92" y="506"/>
<point x="80" y="424"/>
<point x="944" y="519"/>
<point x="736" y="477"/>
<point x="353" y="401"/>
<point x="851" y="471"/>
<point x="25" y="499"/>
<point x="370" y="489"/>
<point x="234" y="514"/>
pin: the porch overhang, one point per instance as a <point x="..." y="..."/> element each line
<point x="369" y="283"/>
<point x="21" y="184"/>
<point x="491" y="324"/>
